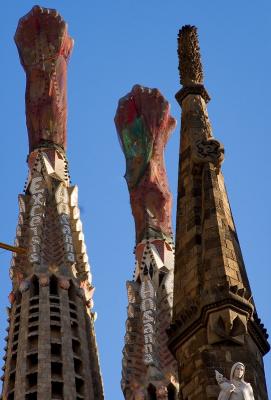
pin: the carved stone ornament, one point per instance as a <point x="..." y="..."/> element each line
<point x="162" y="393"/>
<point x="64" y="283"/>
<point x="44" y="280"/>
<point x="210" y="150"/>
<point x="227" y="324"/>
<point x="190" y="66"/>
<point x="235" y="388"/>
<point x="24" y="286"/>
<point x="11" y="297"/>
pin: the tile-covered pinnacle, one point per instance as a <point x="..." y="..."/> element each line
<point x="190" y="67"/>
<point x="44" y="47"/>
<point x="144" y="124"/>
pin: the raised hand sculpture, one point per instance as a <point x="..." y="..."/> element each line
<point x="44" y="47"/>
<point x="144" y="125"/>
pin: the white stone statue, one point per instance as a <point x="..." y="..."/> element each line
<point x="235" y="388"/>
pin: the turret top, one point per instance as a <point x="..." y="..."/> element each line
<point x="190" y="66"/>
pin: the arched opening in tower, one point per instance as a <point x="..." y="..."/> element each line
<point x="152" y="392"/>
<point x="53" y="286"/>
<point x="171" y="392"/>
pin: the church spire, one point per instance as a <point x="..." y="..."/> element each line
<point x="144" y="125"/>
<point x="214" y="318"/>
<point x="51" y="346"/>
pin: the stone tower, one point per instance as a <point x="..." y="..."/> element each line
<point x="215" y="320"/>
<point x="144" y="125"/>
<point x="51" y="349"/>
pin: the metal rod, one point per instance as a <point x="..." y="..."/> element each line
<point x="14" y="249"/>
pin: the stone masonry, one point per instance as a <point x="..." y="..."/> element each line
<point x="215" y="322"/>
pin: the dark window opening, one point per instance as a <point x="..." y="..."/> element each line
<point x="33" y="328"/>
<point x="171" y="392"/>
<point x="54" y="299"/>
<point x="56" y="368"/>
<point x="72" y="306"/>
<point x="18" y="310"/>
<point x="32" y="380"/>
<point x="18" y="298"/>
<point x="15" y="346"/>
<point x="16" y="337"/>
<point x="33" y="318"/>
<point x="79" y="384"/>
<point x="31" y="396"/>
<point x="72" y="292"/>
<point x="11" y="396"/>
<point x="73" y="315"/>
<point x="77" y="366"/>
<point x="16" y="329"/>
<point x="161" y="277"/>
<point x="55" y="349"/>
<point x="13" y="361"/>
<point x="34" y="287"/>
<point x="32" y="360"/>
<point x="55" y="309"/>
<point x="55" y="332"/>
<point x="57" y="390"/>
<point x="53" y="286"/>
<point x="33" y="342"/>
<point x="34" y="301"/>
<point x="55" y="318"/>
<point x="17" y="319"/>
<point x="152" y="393"/>
<point x="11" y="381"/>
<point x="74" y="327"/>
<point x="75" y="346"/>
<point x="33" y="309"/>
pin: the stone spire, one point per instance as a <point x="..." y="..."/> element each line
<point x="214" y="318"/>
<point x="51" y="346"/>
<point x="144" y="125"/>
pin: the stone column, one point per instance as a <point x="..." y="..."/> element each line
<point x="67" y="353"/>
<point x="44" y="345"/>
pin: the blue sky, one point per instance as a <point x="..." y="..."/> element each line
<point x="117" y="44"/>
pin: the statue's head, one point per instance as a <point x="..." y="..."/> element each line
<point x="238" y="371"/>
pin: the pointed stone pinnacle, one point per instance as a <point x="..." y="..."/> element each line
<point x="190" y="66"/>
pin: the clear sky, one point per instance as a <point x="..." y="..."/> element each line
<point x="117" y="44"/>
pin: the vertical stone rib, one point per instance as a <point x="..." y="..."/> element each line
<point x="67" y="355"/>
<point x="44" y="345"/>
<point x="85" y="353"/>
<point x="20" y="384"/>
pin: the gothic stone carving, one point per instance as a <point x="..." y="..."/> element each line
<point x="226" y="324"/>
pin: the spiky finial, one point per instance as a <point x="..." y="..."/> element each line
<point x="190" y="66"/>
